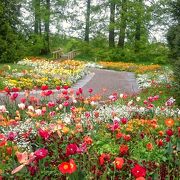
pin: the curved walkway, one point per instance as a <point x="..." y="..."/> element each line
<point x="106" y="82"/>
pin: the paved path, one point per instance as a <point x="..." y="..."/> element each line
<point x="103" y="82"/>
<point x="106" y="82"/>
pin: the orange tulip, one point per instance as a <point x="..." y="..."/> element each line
<point x="169" y="122"/>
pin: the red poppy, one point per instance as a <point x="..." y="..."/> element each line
<point x="41" y="153"/>
<point x="119" y="163"/>
<point x="104" y="157"/>
<point x="149" y="146"/>
<point x="71" y="149"/>
<point x="159" y="142"/>
<point x="123" y="149"/>
<point x="169" y="132"/>
<point x="44" y="87"/>
<point x="3" y="140"/>
<point x="138" y="171"/>
<point x="67" y="167"/>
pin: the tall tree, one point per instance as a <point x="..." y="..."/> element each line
<point x="87" y="28"/>
<point x="138" y="24"/>
<point x="10" y="45"/>
<point x="37" y="18"/>
<point x="123" y="23"/>
<point x="46" y="25"/>
<point x="112" y="24"/>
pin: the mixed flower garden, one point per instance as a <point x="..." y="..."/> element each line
<point x="80" y="137"/>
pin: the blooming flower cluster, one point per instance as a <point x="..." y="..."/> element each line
<point x="83" y="137"/>
<point x="132" y="67"/>
<point x="45" y="72"/>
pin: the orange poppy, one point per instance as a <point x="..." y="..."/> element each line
<point x="119" y="163"/>
<point x="169" y="122"/>
<point x="149" y="146"/>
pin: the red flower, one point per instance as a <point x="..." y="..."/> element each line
<point x="169" y="132"/>
<point x="124" y="120"/>
<point x="66" y="87"/>
<point x="119" y="163"/>
<point x="15" y="89"/>
<point x="14" y="96"/>
<point x="90" y="90"/>
<point x="44" y="133"/>
<point x="71" y="149"/>
<point x="138" y="171"/>
<point x="44" y="87"/>
<point x="123" y="149"/>
<point x="67" y="167"/>
<point x="88" y="140"/>
<point x="58" y="88"/>
<point x="41" y="153"/>
<point x="159" y="142"/>
<point x="127" y="137"/>
<point x="3" y="140"/>
<point x="149" y="146"/>
<point x="119" y="135"/>
<point x="104" y="157"/>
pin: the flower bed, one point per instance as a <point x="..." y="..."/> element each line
<point x="44" y="72"/>
<point x="132" y="67"/>
<point x="84" y="138"/>
<point x="79" y="137"/>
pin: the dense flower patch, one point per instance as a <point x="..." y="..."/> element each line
<point x="137" y="68"/>
<point x="77" y="137"/>
<point x="44" y="72"/>
<point x="82" y="137"/>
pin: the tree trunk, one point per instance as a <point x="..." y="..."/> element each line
<point x="47" y="24"/>
<point x="87" y="28"/>
<point x="122" y="31"/>
<point x="36" y="16"/>
<point x="111" y="24"/>
<point x="138" y="28"/>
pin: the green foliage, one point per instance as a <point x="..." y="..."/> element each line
<point x="151" y="53"/>
<point x="173" y="38"/>
<point x="11" y="48"/>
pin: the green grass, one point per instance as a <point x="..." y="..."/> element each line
<point x="9" y="67"/>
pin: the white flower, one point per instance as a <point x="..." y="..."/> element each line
<point x="38" y="112"/>
<point x="138" y="99"/>
<point x="130" y="103"/>
<point x="3" y="108"/>
<point x="21" y="106"/>
<point x="60" y="106"/>
<point x="121" y="95"/>
<point x="30" y="108"/>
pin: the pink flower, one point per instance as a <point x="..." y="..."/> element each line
<point x="44" y="133"/>
<point x="41" y="153"/>
<point x="82" y="148"/>
<point x="11" y="135"/>
<point x="14" y="96"/>
<point x="71" y="149"/>
<point x="66" y="103"/>
<point x="51" y="104"/>
<point x="90" y="90"/>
